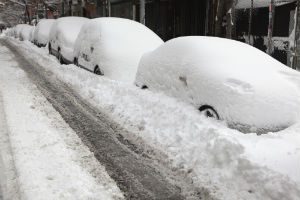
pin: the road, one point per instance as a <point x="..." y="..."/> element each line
<point x="134" y="173"/>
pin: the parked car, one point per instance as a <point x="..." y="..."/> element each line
<point x="225" y="79"/>
<point x="113" y="47"/>
<point x="25" y="32"/>
<point x="42" y="32"/>
<point x="62" y="38"/>
<point x="17" y="30"/>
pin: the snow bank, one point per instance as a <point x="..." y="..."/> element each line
<point x="260" y="3"/>
<point x="42" y="31"/>
<point x="249" y="89"/>
<point x="63" y="34"/>
<point x="50" y="159"/>
<point x="223" y="161"/>
<point x="115" y="45"/>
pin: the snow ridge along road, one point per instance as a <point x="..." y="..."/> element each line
<point x="134" y="173"/>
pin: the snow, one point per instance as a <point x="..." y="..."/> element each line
<point x="42" y="31"/>
<point x="50" y="160"/>
<point x="260" y="3"/>
<point x="63" y="34"/>
<point x="227" y="163"/>
<point x="24" y="32"/>
<point x="118" y="45"/>
<point x="17" y="30"/>
<point x="249" y="89"/>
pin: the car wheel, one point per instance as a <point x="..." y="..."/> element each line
<point x="60" y="59"/>
<point x="49" y="48"/>
<point x="98" y="71"/>
<point x="144" y="87"/>
<point x="209" y="111"/>
<point x="76" y="62"/>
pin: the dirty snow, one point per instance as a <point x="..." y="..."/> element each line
<point x="50" y="160"/>
<point x="229" y="164"/>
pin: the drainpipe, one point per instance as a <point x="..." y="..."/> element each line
<point x="250" y="22"/>
<point x="142" y="11"/>
<point x="270" y="28"/>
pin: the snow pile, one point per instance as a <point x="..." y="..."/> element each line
<point x="50" y="160"/>
<point x="42" y="31"/>
<point x="249" y="89"/>
<point x="260" y="3"/>
<point x="229" y="164"/>
<point x="63" y="34"/>
<point x="115" y="45"/>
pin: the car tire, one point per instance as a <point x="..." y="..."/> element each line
<point x="76" y="62"/>
<point x="144" y="87"/>
<point x="209" y="112"/>
<point x="98" y="71"/>
<point x="59" y="57"/>
<point x="49" y="48"/>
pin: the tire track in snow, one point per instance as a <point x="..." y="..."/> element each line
<point x="134" y="174"/>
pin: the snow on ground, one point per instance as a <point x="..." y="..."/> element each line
<point x="229" y="164"/>
<point x="50" y="160"/>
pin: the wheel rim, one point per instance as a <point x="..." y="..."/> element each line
<point x="210" y="113"/>
<point x="98" y="71"/>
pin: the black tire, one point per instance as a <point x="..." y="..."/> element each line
<point x="144" y="87"/>
<point x="75" y="62"/>
<point x="98" y="71"/>
<point x="49" y="48"/>
<point x="209" y="112"/>
<point x="59" y="57"/>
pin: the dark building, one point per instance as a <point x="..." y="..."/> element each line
<point x="174" y="18"/>
<point x="282" y="29"/>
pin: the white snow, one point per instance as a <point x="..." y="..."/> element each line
<point x="229" y="164"/>
<point x="115" y="45"/>
<point x="249" y="89"/>
<point x="260" y="3"/>
<point x="42" y="31"/>
<point x="63" y="35"/>
<point x="50" y="160"/>
<point x="25" y="32"/>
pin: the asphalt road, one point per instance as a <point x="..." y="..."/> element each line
<point x="134" y="173"/>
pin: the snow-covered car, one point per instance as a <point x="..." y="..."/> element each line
<point x="17" y="30"/>
<point x="25" y="32"/>
<point x="42" y="32"/>
<point x="113" y="47"/>
<point x="63" y="35"/>
<point x="225" y="79"/>
<point x="31" y="38"/>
